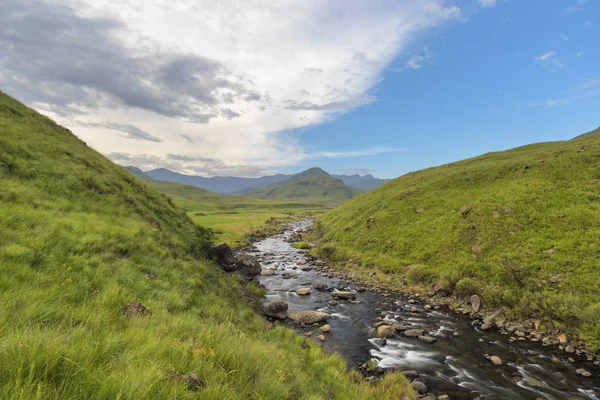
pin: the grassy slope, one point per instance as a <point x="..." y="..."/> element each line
<point x="535" y="213"/>
<point x="80" y="238"/>
<point x="313" y="185"/>
<point x="232" y="218"/>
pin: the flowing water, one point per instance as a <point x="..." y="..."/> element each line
<point x="453" y="365"/>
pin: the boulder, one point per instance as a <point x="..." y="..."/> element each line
<point x="248" y="264"/>
<point x="344" y="295"/>
<point x="413" y="333"/>
<point x="419" y="387"/>
<point x="303" y="291"/>
<point x="321" y="287"/>
<point x="570" y="349"/>
<point x="225" y="257"/>
<point x="427" y="339"/>
<point x="321" y="338"/>
<point x="193" y="381"/>
<point x="385" y="331"/>
<point x="496" y="360"/>
<point x="276" y="309"/>
<point x="475" y="302"/>
<point x="562" y="338"/>
<point x="325" y="328"/>
<point x="308" y="316"/>
<point x="267" y="272"/>
<point x="135" y="308"/>
<point x="465" y="210"/>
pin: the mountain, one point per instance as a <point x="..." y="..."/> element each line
<point x="365" y="183"/>
<point x="312" y="185"/>
<point x="81" y="240"/>
<point x="518" y="227"/>
<point x="235" y="185"/>
<point x="216" y="184"/>
<point x="139" y="173"/>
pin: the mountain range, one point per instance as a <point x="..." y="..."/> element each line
<point x="237" y="185"/>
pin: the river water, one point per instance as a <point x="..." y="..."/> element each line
<point x="453" y="365"/>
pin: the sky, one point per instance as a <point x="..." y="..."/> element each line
<point x="231" y="88"/>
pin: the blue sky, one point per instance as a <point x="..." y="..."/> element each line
<point x="483" y="85"/>
<point x="257" y="87"/>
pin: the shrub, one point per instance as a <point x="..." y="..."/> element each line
<point x="468" y="287"/>
<point x="301" y="245"/>
<point x="421" y="274"/>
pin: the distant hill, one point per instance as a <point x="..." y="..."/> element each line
<point x="139" y="173"/>
<point x="236" y="185"/>
<point x="192" y="193"/>
<point x="314" y="185"/>
<point x="518" y="227"/>
<point x="365" y="183"/>
<point x="216" y="184"/>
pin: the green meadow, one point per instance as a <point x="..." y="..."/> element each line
<point x="80" y="238"/>
<point x="233" y="219"/>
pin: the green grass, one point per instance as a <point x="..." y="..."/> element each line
<point x="233" y="219"/>
<point x="533" y="214"/>
<point x="80" y="237"/>
<point x="311" y="186"/>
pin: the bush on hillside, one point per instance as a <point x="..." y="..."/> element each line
<point x="468" y="287"/>
<point x="421" y="274"/>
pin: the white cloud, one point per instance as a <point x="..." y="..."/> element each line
<point x="546" y="56"/>
<point x="582" y="90"/>
<point x="487" y="3"/>
<point x="414" y="62"/>
<point x="580" y="53"/>
<point x="284" y="65"/>
<point x="564" y="37"/>
<point x="569" y="99"/>
<point x="549" y="58"/>
<point x="578" y="6"/>
<point x="372" y="151"/>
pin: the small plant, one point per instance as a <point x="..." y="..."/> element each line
<point x="514" y="271"/>
<point x="468" y="287"/>
<point x="421" y="274"/>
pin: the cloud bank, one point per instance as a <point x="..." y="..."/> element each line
<point x="216" y="83"/>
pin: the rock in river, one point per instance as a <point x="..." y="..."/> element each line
<point x="496" y="360"/>
<point x="385" y="331"/>
<point x="308" y="316"/>
<point x="419" y="387"/>
<point x="276" y="309"/>
<point x="303" y="291"/>
<point x="413" y="333"/>
<point x="427" y="339"/>
<point x="344" y="295"/>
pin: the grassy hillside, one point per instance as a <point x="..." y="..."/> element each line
<point x="313" y="185"/>
<point x="520" y="227"/>
<point x="80" y="238"/>
<point x="232" y="218"/>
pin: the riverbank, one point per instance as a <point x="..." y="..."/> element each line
<point x="450" y="358"/>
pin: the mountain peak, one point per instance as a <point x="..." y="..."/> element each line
<point x="315" y="171"/>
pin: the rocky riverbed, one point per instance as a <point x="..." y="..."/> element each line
<point x="443" y="353"/>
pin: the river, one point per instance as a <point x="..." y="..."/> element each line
<point x="455" y="364"/>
